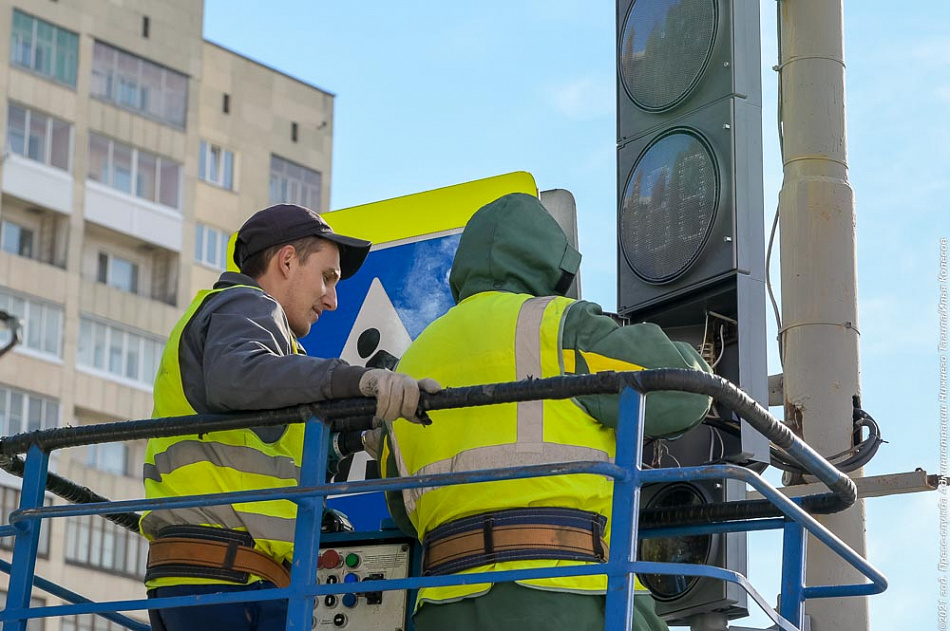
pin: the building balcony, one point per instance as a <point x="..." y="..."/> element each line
<point x="37" y="183"/>
<point x="139" y="312"/>
<point x="127" y="214"/>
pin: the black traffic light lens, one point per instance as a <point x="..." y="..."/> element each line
<point x="664" y="49"/>
<point x="669" y="206"/>
<point x="695" y="549"/>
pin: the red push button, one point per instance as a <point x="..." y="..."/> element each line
<point x="329" y="560"/>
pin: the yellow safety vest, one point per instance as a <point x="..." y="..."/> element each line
<point x="218" y="462"/>
<point x="487" y="338"/>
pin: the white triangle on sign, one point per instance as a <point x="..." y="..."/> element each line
<point x="378" y="335"/>
<point x="378" y="339"/>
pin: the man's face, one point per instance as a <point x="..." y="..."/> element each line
<point x="312" y="287"/>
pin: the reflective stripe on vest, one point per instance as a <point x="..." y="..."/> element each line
<point x="227" y="516"/>
<point x="240" y="458"/>
<point x="530" y="445"/>
<point x="527" y="366"/>
<point x="218" y="462"/>
<point x="494" y="337"/>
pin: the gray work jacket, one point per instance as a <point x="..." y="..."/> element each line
<point x="237" y="353"/>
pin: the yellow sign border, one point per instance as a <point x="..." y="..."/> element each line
<point x="429" y="212"/>
<point x="413" y="217"/>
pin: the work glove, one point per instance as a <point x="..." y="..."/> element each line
<point x="397" y="395"/>
<point x="373" y="442"/>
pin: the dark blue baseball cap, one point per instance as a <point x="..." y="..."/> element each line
<point x="284" y="223"/>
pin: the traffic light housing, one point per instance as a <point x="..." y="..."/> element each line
<point x="689" y="147"/>
<point x="679" y="597"/>
<point x="690" y="233"/>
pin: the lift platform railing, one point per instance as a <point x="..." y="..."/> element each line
<point x="775" y="512"/>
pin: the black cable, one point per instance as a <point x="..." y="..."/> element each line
<point x="72" y="492"/>
<point x="863" y="451"/>
<point x="650" y="518"/>
<point x="343" y="415"/>
<point x="355" y="414"/>
<point x="13" y="323"/>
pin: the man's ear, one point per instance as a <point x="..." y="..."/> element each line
<point x="284" y="257"/>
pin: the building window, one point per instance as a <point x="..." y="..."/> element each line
<point x="216" y="165"/>
<point x="16" y="239"/>
<point x="226" y="104"/>
<point x="118" y="272"/>
<point x="21" y="411"/>
<point x="118" y="352"/>
<point x="44" y="48"/>
<point x="140" y="85"/>
<point x="211" y="246"/>
<point x="134" y="171"/>
<point x="293" y="183"/>
<point x="88" y="622"/>
<point x="34" y="624"/>
<point x="293" y="132"/>
<point x="9" y="502"/>
<point x="42" y="323"/>
<point x="39" y="137"/>
<point x="94" y="541"/>
<point x="109" y="458"/>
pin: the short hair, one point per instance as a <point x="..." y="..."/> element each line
<point x="256" y="264"/>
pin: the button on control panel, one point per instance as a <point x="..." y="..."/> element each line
<point x="363" y="610"/>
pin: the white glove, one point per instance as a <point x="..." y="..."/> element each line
<point x="397" y="395"/>
<point x="373" y="442"/>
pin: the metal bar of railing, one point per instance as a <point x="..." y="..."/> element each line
<point x="293" y="493"/>
<point x="710" y="472"/>
<point x="27" y="539"/>
<point x="352" y="414"/>
<point x="394" y="584"/>
<point x="793" y="573"/>
<point x="619" y="569"/>
<point x="303" y="571"/>
<point x="59" y="591"/>
<point x="618" y="608"/>
<point x="648" y="476"/>
<point x="790" y="509"/>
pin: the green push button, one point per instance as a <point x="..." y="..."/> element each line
<point x="352" y="560"/>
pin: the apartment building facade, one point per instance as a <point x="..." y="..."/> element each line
<point x="132" y="149"/>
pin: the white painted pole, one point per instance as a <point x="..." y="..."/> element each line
<point x="819" y="277"/>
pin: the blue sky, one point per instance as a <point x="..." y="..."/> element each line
<point x="431" y="94"/>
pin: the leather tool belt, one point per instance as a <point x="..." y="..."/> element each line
<point x="515" y="535"/>
<point x="215" y="553"/>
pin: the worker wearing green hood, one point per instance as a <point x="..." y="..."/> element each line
<point x="511" y="321"/>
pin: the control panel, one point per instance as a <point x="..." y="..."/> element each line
<point x="362" y="611"/>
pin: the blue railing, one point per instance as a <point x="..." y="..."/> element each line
<point x="310" y="495"/>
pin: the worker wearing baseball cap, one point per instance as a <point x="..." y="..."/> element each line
<point x="236" y="348"/>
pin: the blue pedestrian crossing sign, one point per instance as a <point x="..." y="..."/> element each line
<point x="399" y="290"/>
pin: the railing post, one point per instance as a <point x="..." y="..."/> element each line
<point x="26" y="543"/>
<point x="794" y="545"/>
<point x="625" y="512"/>
<point x="303" y="573"/>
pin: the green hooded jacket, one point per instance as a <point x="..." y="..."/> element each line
<point x="514" y="245"/>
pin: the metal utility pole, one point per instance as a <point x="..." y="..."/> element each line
<point x="819" y="279"/>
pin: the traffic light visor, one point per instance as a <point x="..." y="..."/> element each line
<point x="669" y="206"/>
<point x="693" y="549"/>
<point x="665" y="47"/>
